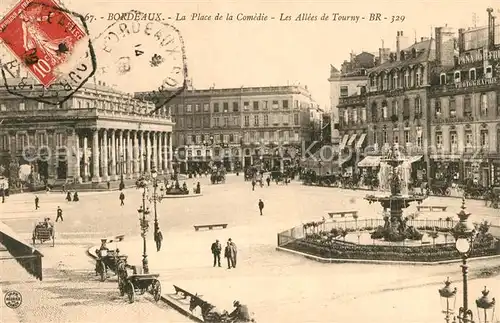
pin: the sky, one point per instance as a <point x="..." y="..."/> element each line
<point x="264" y="53"/>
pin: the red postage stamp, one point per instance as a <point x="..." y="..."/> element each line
<point x="41" y="35"/>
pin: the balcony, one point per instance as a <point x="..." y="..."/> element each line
<point x="479" y="85"/>
<point x="452" y="120"/>
<point x="353" y="100"/>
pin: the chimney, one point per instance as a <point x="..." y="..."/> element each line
<point x="445" y="46"/>
<point x="398" y="46"/>
<point x="384" y="54"/>
<point x="491" y="29"/>
<point x="461" y="40"/>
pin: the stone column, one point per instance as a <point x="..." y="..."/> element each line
<point x="164" y="146"/>
<point x="159" y="146"/>
<point x="130" y="157"/>
<point x="154" y="143"/>
<point x="136" y="154"/>
<point x="148" y="152"/>
<point x="142" y="151"/>
<point x="85" y="159"/>
<point x="113" y="155"/>
<point x="77" y="176"/>
<point x="96" y="178"/>
<point x="170" y="153"/>
<point x="105" y="151"/>
<point x="121" y="156"/>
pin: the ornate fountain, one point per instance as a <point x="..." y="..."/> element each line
<point x="395" y="225"/>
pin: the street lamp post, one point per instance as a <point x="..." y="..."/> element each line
<point x="122" y="164"/>
<point x="156" y="197"/>
<point x="464" y="233"/>
<point x="143" y="212"/>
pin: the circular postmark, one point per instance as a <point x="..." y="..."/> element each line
<point x="52" y="44"/>
<point x="13" y="299"/>
<point x="143" y="57"/>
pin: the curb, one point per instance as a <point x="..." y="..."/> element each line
<point x="162" y="298"/>
<point x="381" y="262"/>
<point x="181" y="196"/>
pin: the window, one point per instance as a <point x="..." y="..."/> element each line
<point x="418" y="107"/>
<point x="216" y="121"/>
<point x="296" y="119"/>
<point x="472" y="74"/>
<point x="22" y="141"/>
<point x="363" y="114"/>
<point x="395" y="81"/>
<point x="197" y="108"/>
<point x="231" y="137"/>
<point x="489" y="72"/>
<point x="266" y="120"/>
<point x="206" y="121"/>
<point x="468" y="139"/>
<point x="40" y="105"/>
<point x="285" y="104"/>
<point x="206" y="107"/>
<point x="467" y="107"/>
<point x="374" y="112"/>
<point x="418" y="78"/>
<point x="22" y="106"/>
<point x="372" y="81"/>
<point x="225" y="138"/>
<point x="407" y="79"/>
<point x="406" y="109"/>
<point x="4" y="142"/>
<point x="437" y="108"/>
<point x="286" y="119"/>
<point x="256" y="121"/>
<point x="452" y="107"/>
<point x="419" y="137"/>
<point x="198" y="140"/>
<point x="236" y="107"/>
<point x="439" y="139"/>
<point x="453" y="140"/>
<point x="384" y="137"/>
<point x="246" y="105"/>
<point x="256" y="105"/>
<point x="484" y="105"/>
<point x="484" y="138"/>
<point x="395" y="137"/>
<point x="189" y="108"/>
<point x="296" y="104"/>
<point x="375" y="139"/>
<point x="236" y="121"/>
<point x="346" y="116"/>
<point x="226" y="121"/>
<point x="189" y="122"/>
<point x="395" y="108"/>
<point x="3" y="107"/>
<point x="275" y="104"/>
<point x="407" y="137"/>
<point x="442" y="79"/>
<point x="247" y="121"/>
<point x="344" y="91"/>
<point x="225" y="107"/>
<point x="456" y="76"/>
<point x="355" y="115"/>
<point x="41" y="140"/>
<point x="264" y="105"/>
<point x="384" y="110"/>
<point x="216" y="107"/>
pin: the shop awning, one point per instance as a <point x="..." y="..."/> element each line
<point x="360" y="141"/>
<point x="343" y="142"/>
<point x="351" y="140"/>
<point x="27" y="256"/>
<point x="370" y="161"/>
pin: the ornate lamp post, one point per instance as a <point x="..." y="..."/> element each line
<point x="144" y="222"/>
<point x="485" y="307"/>
<point x="156" y="197"/>
<point x="122" y="164"/>
<point x="448" y="299"/>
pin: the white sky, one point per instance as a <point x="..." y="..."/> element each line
<point x="234" y="54"/>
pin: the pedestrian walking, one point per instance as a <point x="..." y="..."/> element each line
<point x="36" y="202"/>
<point x="59" y="214"/>
<point x="234" y="252"/>
<point x="68" y="197"/>
<point x="216" y="251"/>
<point x="261" y="206"/>
<point x="158" y="238"/>
<point x="109" y="185"/>
<point x="75" y="197"/>
<point x="122" y="198"/>
<point x="64" y="188"/>
<point x="228" y="255"/>
<point x="253" y="185"/>
<point x="268" y="180"/>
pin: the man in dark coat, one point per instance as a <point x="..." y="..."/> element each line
<point x="268" y="180"/>
<point x="216" y="251"/>
<point x="253" y="184"/>
<point x="59" y="214"/>
<point x="37" y="200"/>
<point x="261" y="206"/>
<point x="240" y="313"/>
<point x="122" y="198"/>
<point x="158" y="238"/>
<point x="228" y="255"/>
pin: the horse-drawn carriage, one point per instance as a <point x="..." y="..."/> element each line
<point x="210" y="313"/>
<point x="42" y="232"/>
<point x="440" y="187"/>
<point x="137" y="284"/>
<point x="277" y="176"/>
<point x="218" y="176"/>
<point x="250" y="173"/>
<point x="109" y="259"/>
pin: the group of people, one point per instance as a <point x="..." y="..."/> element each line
<point x="75" y="197"/>
<point x="230" y="253"/>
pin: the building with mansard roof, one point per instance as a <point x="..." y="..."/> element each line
<point x="99" y="134"/>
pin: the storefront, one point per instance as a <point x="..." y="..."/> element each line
<point x="369" y="168"/>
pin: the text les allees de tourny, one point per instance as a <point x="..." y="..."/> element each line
<point x="337" y="17"/>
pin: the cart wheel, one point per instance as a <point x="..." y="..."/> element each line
<point x="327" y="182"/>
<point x="447" y="192"/>
<point x="131" y="292"/>
<point x="156" y="289"/>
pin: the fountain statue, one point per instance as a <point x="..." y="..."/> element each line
<point x="395" y="227"/>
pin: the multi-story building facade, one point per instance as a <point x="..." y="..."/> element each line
<point x="351" y="80"/>
<point x="96" y="135"/>
<point x="465" y="110"/>
<point x="239" y="127"/>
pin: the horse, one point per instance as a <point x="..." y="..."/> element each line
<point x="208" y="311"/>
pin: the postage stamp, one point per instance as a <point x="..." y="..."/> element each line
<point x="52" y="43"/>
<point x="145" y="57"/>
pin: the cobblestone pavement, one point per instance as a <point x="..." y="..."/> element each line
<point x="278" y="287"/>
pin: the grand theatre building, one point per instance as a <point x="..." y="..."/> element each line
<point x="99" y="134"/>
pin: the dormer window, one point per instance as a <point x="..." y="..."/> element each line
<point x="402" y="55"/>
<point x="407" y="78"/>
<point x="472" y="74"/>
<point x="414" y="53"/>
<point x="442" y="79"/>
<point x="489" y="71"/>
<point x="456" y="76"/>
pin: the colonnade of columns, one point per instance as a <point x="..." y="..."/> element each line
<point x="113" y="153"/>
